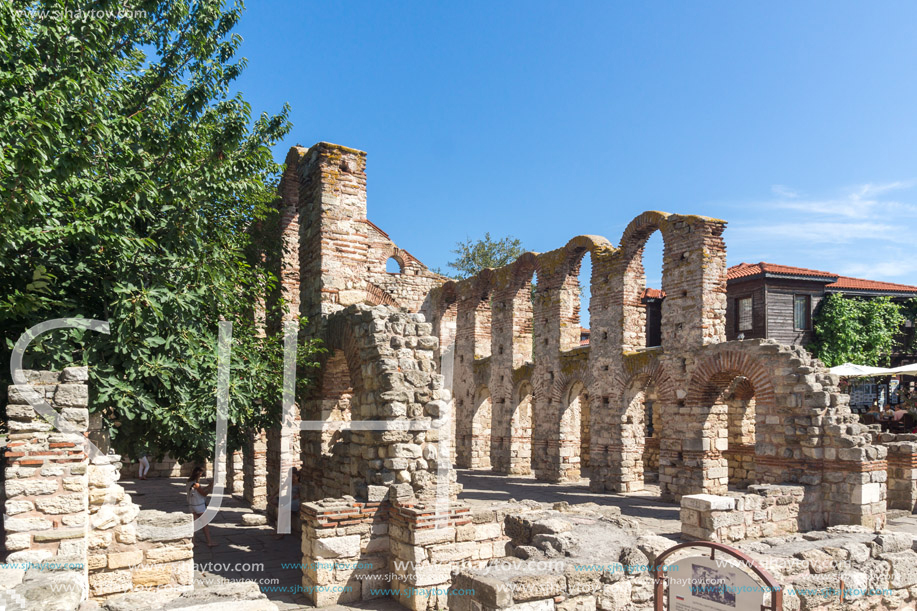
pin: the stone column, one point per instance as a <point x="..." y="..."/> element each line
<point x="511" y="347"/>
<point x="902" y="475"/>
<point x="472" y="342"/>
<point x="555" y="301"/>
<point x="254" y="470"/>
<point x="46" y="481"/>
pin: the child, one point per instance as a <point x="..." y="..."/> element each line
<point x="197" y="499"/>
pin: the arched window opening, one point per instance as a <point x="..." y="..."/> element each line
<point x="653" y="296"/>
<point x="575" y="300"/>
<point x="575" y="433"/>
<point x="393" y="266"/>
<point x="481" y="430"/>
<point x="731" y="427"/>
<point x="336" y="397"/>
<point x="643" y="292"/>
<point x="521" y="432"/>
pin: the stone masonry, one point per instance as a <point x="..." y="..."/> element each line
<point x="525" y="395"/>
<point x="67" y="510"/>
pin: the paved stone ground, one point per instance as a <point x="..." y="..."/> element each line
<point x="481" y="487"/>
<point x="242" y="545"/>
<point x="239" y="545"/>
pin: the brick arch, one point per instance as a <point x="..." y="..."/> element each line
<point x="653" y="372"/>
<point x="339" y="336"/>
<point x="641" y="228"/>
<point x="567" y="377"/>
<point x="578" y="246"/>
<point x="524" y="268"/>
<point x="376" y="295"/>
<point x="710" y="378"/>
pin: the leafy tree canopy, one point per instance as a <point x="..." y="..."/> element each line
<point x="860" y="331"/>
<point x="129" y="176"/>
<point x="474" y="256"/>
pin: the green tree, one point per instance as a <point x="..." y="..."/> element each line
<point x="477" y="255"/>
<point x="129" y="176"/>
<point x="852" y="330"/>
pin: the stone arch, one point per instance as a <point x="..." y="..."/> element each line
<point x="481" y="423"/>
<point x="573" y="430"/>
<point x="632" y="276"/>
<point x="648" y="394"/>
<point x="574" y="253"/>
<point x="732" y="393"/>
<point x="521" y="428"/>
<point x="376" y="295"/>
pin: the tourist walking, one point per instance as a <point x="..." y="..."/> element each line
<point x="197" y="498"/>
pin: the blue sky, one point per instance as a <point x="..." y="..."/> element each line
<point x="793" y="121"/>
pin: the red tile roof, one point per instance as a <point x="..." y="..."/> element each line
<point x="743" y="270"/>
<point x="856" y="284"/>
<point x="840" y="283"/>
<point x="652" y="294"/>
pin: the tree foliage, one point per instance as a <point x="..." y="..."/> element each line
<point x="860" y="331"/>
<point x="474" y="256"/>
<point x="129" y="175"/>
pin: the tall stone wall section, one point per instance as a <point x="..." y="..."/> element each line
<point x="588" y="402"/>
<point x="392" y="379"/>
<point x="67" y="508"/>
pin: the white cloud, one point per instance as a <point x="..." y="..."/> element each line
<point x="864" y="230"/>
<point x="784" y="191"/>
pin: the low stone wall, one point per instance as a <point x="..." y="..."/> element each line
<point x="355" y="551"/>
<point x="902" y="469"/>
<point x="766" y="511"/>
<point x="68" y="509"/>
<point x="166" y="467"/>
<point x="131" y="549"/>
<point x="581" y="560"/>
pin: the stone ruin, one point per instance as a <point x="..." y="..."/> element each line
<point x="489" y="373"/>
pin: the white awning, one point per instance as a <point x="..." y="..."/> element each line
<point x="910" y="370"/>
<point x="849" y="370"/>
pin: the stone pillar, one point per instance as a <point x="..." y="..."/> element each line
<point x="334" y="241"/>
<point x="511" y="347"/>
<point x="235" y="474"/>
<point x="46" y="480"/>
<point x="902" y="475"/>
<point x="254" y="470"/>
<point x="472" y="342"/>
<point x="66" y="509"/>
<point x="556" y="323"/>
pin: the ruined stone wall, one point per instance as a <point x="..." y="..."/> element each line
<point x="68" y="509"/>
<point x="351" y="548"/>
<point x="46" y="483"/>
<point x="328" y="255"/>
<point x="902" y="468"/>
<point x="582" y="558"/>
<point x="766" y="511"/>
<point x="735" y="413"/>
<point x="387" y="375"/>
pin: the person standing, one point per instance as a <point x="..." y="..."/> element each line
<point x="197" y="498"/>
<point x="144" y="461"/>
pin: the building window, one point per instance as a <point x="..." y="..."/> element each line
<point x="743" y="314"/>
<point x="801" y="317"/>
